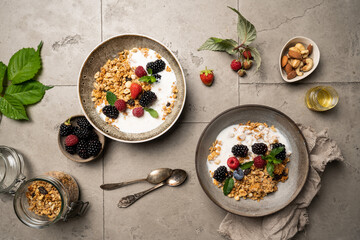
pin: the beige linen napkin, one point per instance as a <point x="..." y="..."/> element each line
<point x="288" y="221"/>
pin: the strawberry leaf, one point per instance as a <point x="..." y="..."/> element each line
<point x="256" y="55"/>
<point x="221" y="45"/>
<point x="27" y="93"/>
<point x="246" y="30"/>
<point x="111" y="98"/>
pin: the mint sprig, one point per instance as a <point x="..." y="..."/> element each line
<point x="23" y="90"/>
<point x="152" y="112"/>
<point x="246" y="165"/>
<point x="271" y="160"/>
<point x="247" y="34"/>
<point x="228" y="186"/>
<point x="111" y="98"/>
<point x="149" y="78"/>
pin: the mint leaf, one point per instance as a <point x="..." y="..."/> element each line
<point x="24" y="64"/>
<point x="28" y="92"/>
<point x="246" y="165"/>
<point x="276" y="151"/>
<point x="149" y="79"/>
<point x="149" y="70"/>
<point x="246" y="30"/>
<point x="2" y="76"/>
<point x="270" y="168"/>
<point x="228" y="186"/>
<point x="277" y="161"/>
<point x="256" y="55"/>
<point x="152" y="112"/>
<point x="111" y="98"/>
<point x="218" y="44"/>
<point x="12" y="108"/>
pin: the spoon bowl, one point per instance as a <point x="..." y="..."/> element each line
<point x="178" y="176"/>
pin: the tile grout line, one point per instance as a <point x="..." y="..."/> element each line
<point x="103" y="158"/>
<point x="299" y="83"/>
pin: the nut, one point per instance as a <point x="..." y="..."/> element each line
<point x="308" y="65"/>
<point x="298" y="72"/>
<point x="294" y="54"/>
<point x="310" y="48"/>
<point x="295" y="63"/>
<point x="291" y="75"/>
<point x="305" y="53"/>
<point x="294" y="49"/>
<point x="284" y="61"/>
<point x="288" y="68"/>
<point x="300" y="46"/>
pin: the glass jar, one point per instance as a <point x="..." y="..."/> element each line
<point x="41" y="201"/>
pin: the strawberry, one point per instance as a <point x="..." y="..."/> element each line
<point x="247" y="54"/>
<point x="135" y="90"/>
<point x="235" y="65"/>
<point x="247" y="64"/>
<point x="207" y="76"/>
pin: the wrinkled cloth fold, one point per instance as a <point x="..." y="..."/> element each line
<point x="293" y="218"/>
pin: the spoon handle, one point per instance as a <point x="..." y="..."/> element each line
<point x="130" y="199"/>
<point x="112" y="186"/>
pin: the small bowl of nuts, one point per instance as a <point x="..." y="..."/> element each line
<point x="298" y="59"/>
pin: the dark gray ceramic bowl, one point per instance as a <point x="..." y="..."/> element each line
<point x="109" y="49"/>
<point x="298" y="165"/>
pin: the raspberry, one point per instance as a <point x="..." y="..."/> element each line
<point x="259" y="162"/>
<point x="138" y="112"/>
<point x="71" y="140"/>
<point x="140" y="71"/>
<point x="259" y="148"/>
<point x="233" y="163"/>
<point x="120" y="105"/>
<point x="235" y="65"/>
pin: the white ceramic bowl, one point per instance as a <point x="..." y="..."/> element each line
<point x="315" y="55"/>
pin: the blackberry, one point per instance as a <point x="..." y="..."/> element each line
<point x="110" y="111"/>
<point x="71" y="149"/>
<point x="82" y="133"/>
<point x="83" y="123"/>
<point x="157" y="66"/>
<point x="157" y="76"/>
<point x="220" y="174"/>
<point x="94" y="147"/>
<point x="240" y="150"/>
<point x="93" y="136"/>
<point x="81" y="149"/>
<point x="282" y="154"/>
<point x="131" y="102"/>
<point x="147" y="98"/>
<point x="66" y="128"/>
<point x="247" y="171"/>
<point x="259" y="148"/>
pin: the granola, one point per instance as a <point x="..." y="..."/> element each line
<point x="254" y="181"/>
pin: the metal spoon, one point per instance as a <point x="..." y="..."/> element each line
<point x="178" y="176"/>
<point x="155" y="176"/>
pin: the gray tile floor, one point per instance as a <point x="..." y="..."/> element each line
<point x="70" y="29"/>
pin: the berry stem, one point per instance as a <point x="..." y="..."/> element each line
<point x="237" y="48"/>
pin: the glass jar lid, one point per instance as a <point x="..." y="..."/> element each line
<point x="11" y="169"/>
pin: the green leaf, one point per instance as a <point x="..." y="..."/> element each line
<point x="152" y="112"/>
<point x="24" y="65"/>
<point x="149" y="70"/>
<point x="270" y="168"/>
<point x="218" y="44"/>
<point x="11" y="107"/>
<point x="228" y="186"/>
<point x="256" y="55"/>
<point x="277" y="161"/>
<point x="149" y="79"/>
<point x="111" y="98"/>
<point x="276" y="151"/>
<point x="246" y="30"/>
<point x="246" y="165"/>
<point x="2" y="76"/>
<point x="28" y="92"/>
